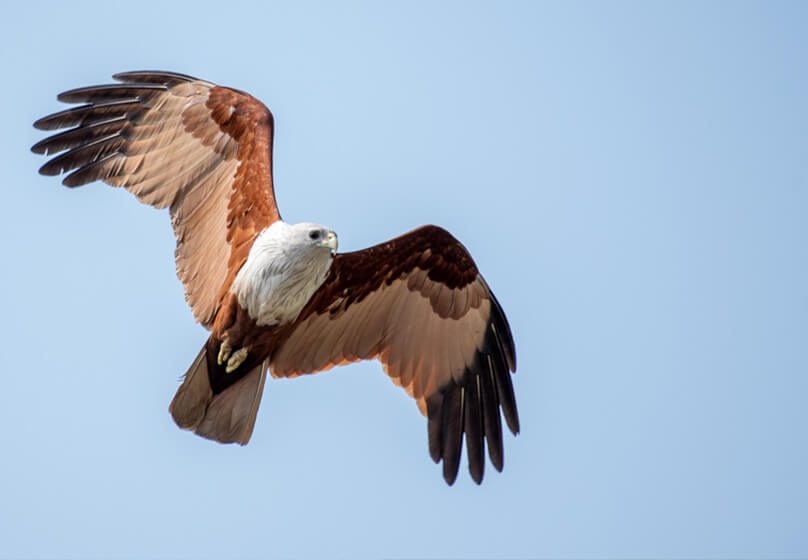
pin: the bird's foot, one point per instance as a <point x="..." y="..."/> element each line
<point x="224" y="352"/>
<point x="235" y="360"/>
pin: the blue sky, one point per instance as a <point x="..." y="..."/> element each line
<point x="632" y="179"/>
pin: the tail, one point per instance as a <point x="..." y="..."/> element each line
<point x="226" y="415"/>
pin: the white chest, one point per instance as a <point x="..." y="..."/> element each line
<point x="277" y="280"/>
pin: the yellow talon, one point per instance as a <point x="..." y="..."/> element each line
<point x="224" y="352"/>
<point x="236" y="360"/>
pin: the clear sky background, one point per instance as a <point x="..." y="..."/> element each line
<point x="632" y="179"/>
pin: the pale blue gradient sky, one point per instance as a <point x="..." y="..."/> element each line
<point x="632" y="179"/>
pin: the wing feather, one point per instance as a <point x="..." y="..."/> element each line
<point x="473" y="427"/>
<point x="86" y="115"/>
<point x="419" y="305"/>
<point x="176" y="142"/>
<point x="452" y="433"/>
<point x="491" y="416"/>
<point x="92" y="94"/>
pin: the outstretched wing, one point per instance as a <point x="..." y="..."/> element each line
<point x="419" y="305"/>
<point x="176" y="142"/>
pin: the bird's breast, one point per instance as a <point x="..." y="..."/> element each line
<point x="274" y="289"/>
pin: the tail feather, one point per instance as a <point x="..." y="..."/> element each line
<point x="227" y="416"/>
<point x="191" y="401"/>
<point x="230" y="417"/>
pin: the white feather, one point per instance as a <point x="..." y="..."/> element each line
<point x="283" y="270"/>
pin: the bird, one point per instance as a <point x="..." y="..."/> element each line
<point x="278" y="298"/>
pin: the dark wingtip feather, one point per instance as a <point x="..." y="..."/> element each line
<point x="40" y="147"/>
<point x="473" y="417"/>
<point x="453" y="433"/>
<point x="90" y="113"/>
<point x="90" y="172"/>
<point x="151" y="76"/>
<point x="48" y="170"/>
<point x="108" y="91"/>
<point x="434" y="405"/>
<point x="47" y="122"/>
<point x="82" y="155"/>
<point x="492" y="422"/>
<point x="502" y="377"/>
<point x="472" y="410"/>
<point x="449" y="473"/>
<point x="75" y="137"/>
<point x="504" y="331"/>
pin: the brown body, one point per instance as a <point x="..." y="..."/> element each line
<point x="417" y="303"/>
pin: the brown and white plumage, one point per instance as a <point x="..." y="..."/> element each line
<point x="416" y="303"/>
<point x="200" y="150"/>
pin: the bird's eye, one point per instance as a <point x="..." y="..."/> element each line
<point x="314" y="234"/>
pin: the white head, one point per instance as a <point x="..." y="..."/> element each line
<point x="313" y="237"/>
<point x="304" y="239"/>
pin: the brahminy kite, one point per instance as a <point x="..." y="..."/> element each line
<point x="277" y="297"/>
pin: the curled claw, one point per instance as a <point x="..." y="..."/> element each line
<point x="236" y="360"/>
<point x="224" y="352"/>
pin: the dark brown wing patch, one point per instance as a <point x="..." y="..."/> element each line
<point x="355" y="275"/>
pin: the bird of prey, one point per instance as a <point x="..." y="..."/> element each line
<point x="277" y="297"/>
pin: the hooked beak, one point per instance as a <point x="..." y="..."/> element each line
<point x="330" y="241"/>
